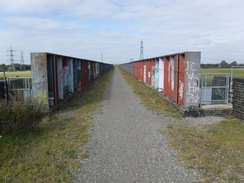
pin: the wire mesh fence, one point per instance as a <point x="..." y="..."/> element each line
<point x="215" y="88"/>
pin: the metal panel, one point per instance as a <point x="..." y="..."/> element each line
<point x="161" y="75"/>
<point x="97" y="69"/>
<point x="156" y="74"/>
<point x="192" y="79"/>
<point x="60" y="78"/>
<point x="148" y="73"/>
<point x="65" y="77"/>
<point x="50" y="80"/>
<point x="145" y="72"/>
<point x="89" y="71"/>
<point x="55" y="77"/>
<point x="50" y="77"/>
<point x="71" y="76"/>
<point x="166" y="76"/>
<point x="141" y="66"/>
<point x="75" y="74"/>
<point x="171" y="77"/>
<point x="79" y="75"/>
<point x="134" y="68"/>
<point x="180" y="79"/>
<point x="151" y="79"/>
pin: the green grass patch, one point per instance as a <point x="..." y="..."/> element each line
<point x="237" y="72"/>
<point x="48" y="151"/>
<point x="217" y="150"/>
<point x="150" y="98"/>
<point x="16" y="74"/>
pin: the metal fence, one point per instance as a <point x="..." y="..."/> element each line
<point x="17" y="84"/>
<point x="236" y="70"/>
<point x="215" y="89"/>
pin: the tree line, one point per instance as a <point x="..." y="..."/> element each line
<point x="222" y="64"/>
<point x="17" y="67"/>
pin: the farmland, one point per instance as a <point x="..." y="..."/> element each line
<point x="237" y="72"/>
<point x="16" y="74"/>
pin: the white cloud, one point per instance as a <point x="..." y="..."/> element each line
<point x="30" y="23"/>
<point x="108" y="26"/>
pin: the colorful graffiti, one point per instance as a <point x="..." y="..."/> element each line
<point x="41" y="97"/>
<point x="176" y="76"/>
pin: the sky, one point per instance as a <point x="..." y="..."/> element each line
<point x="111" y="30"/>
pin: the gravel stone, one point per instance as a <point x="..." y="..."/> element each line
<point x="125" y="144"/>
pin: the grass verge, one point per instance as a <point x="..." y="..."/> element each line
<point x="48" y="151"/>
<point x="150" y="98"/>
<point x="217" y="150"/>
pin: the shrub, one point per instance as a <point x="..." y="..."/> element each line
<point x="19" y="113"/>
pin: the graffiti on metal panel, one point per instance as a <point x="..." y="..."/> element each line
<point x="193" y="88"/>
<point x="66" y="81"/>
<point x="60" y="79"/>
<point x="218" y="93"/>
<point x="192" y="76"/>
<point x="181" y="89"/>
<point x="41" y="97"/>
<point x="171" y="73"/>
<point x="190" y="66"/>
<point x="192" y="98"/>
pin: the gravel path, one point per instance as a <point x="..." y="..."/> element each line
<point x="125" y="144"/>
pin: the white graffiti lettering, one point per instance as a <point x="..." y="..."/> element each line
<point x="193" y="87"/>
<point x="192" y="98"/>
<point x="181" y="89"/>
<point x="192" y="76"/>
<point x="190" y="66"/>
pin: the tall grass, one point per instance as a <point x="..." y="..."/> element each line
<point x="49" y="151"/>
<point x="18" y="113"/>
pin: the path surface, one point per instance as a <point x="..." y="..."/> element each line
<point x="125" y="144"/>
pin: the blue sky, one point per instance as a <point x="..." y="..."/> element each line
<point x="114" y="28"/>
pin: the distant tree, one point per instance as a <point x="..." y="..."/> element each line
<point x="209" y="66"/>
<point x="27" y="67"/>
<point x="223" y="64"/>
<point x="234" y="63"/>
<point x="3" y="67"/>
<point x="17" y="67"/>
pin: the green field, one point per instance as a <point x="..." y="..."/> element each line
<point x="237" y="72"/>
<point x="16" y="74"/>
